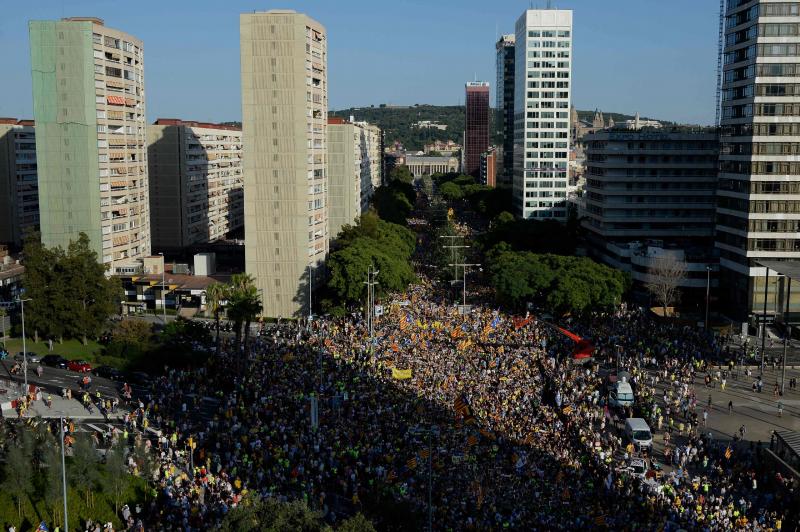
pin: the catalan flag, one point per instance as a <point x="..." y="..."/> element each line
<point x="486" y="434"/>
<point x="472" y="440"/>
<point x="461" y="406"/>
<point x="567" y="410"/>
<point x="728" y="453"/>
<point x="412" y="463"/>
<point x="600" y="520"/>
<point x="424" y="454"/>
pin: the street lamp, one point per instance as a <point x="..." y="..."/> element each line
<point x="64" y="476"/>
<point x="24" y="346"/>
<point x="163" y="287"/>
<point x="428" y="431"/>
<point x="708" y="292"/>
<point x="465" y="266"/>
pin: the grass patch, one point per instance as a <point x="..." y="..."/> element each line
<point x="69" y="349"/>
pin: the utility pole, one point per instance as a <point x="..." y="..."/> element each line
<point x="452" y="246"/>
<point x="465" y="266"/>
<point x="787" y="333"/>
<point x="708" y="292"/>
<point x="764" y="321"/>
<point x="371" y="282"/>
<point x="310" y="281"/>
<point x="64" y="476"/>
<point x="24" y="346"/>
<point x="163" y="286"/>
<point x="429" y="432"/>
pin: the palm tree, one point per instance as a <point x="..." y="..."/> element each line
<point x="217" y="295"/>
<point x="245" y="304"/>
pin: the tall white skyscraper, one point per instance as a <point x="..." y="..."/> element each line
<point x="542" y="85"/>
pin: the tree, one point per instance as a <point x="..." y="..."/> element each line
<point x="357" y="523"/>
<point x="401" y="173"/>
<point x="451" y="191"/>
<point x="131" y="338"/>
<point x="18" y="479"/>
<point x="254" y="514"/>
<point x="117" y="479"/>
<point x="665" y="278"/>
<point x="53" y="479"/>
<point x="83" y="467"/>
<point x="244" y="305"/>
<point x="216" y="297"/>
<point x="43" y="289"/>
<point x="93" y="296"/>
<point x="392" y="203"/>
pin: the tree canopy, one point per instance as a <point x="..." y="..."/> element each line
<point x="371" y="242"/>
<point x="560" y="283"/>
<point x="69" y="292"/>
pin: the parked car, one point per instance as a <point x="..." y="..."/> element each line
<point x="81" y="366"/>
<point x="55" y="361"/>
<point x="33" y="358"/>
<point x="139" y="378"/>
<point x="109" y="373"/>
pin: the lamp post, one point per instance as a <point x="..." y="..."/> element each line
<point x="24" y="346"/>
<point x="787" y="333"/>
<point x="428" y="431"/>
<point x="370" y="282"/>
<point x="310" y="281"/>
<point x="708" y="292"/>
<point x="64" y="476"/>
<point x="163" y="287"/>
<point x="465" y="266"/>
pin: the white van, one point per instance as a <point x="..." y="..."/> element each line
<point x="621" y="394"/>
<point x="638" y="432"/>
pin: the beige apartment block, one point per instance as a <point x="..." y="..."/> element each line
<point x="354" y="155"/>
<point x="284" y="120"/>
<point x="196" y="182"/>
<point x="89" y="108"/>
<point x="19" y="196"/>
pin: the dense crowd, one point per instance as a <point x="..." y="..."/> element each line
<point x="512" y="434"/>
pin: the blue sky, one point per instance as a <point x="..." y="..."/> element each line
<point x="653" y="56"/>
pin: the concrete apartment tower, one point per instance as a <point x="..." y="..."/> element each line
<point x="88" y="105"/>
<point x="758" y="196"/>
<point x="504" y="106"/>
<point x="19" y="197"/>
<point x="284" y="120"/>
<point x="542" y="93"/>
<point x="354" y="169"/>
<point x="196" y="181"/>
<point x="476" y="127"/>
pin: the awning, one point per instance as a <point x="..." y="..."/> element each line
<point x="115" y="84"/>
<point x="115" y="100"/>
<point x="119" y="183"/>
<point x="130" y="102"/>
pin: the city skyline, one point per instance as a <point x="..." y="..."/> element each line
<point x="405" y="66"/>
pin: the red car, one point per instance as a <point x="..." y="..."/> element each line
<point x="81" y="366"/>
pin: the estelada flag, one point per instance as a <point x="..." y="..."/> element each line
<point x="461" y="406"/>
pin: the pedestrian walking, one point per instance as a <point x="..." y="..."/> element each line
<point x="780" y="409"/>
<point x="730" y="406"/>
<point x="705" y="418"/>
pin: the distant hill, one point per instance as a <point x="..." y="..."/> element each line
<point x="397" y="122"/>
<point x="618" y="117"/>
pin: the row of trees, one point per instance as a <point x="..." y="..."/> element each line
<point x="32" y="477"/>
<point x="561" y="283"/>
<point x="270" y="515"/>
<point x="371" y="242"/>
<point x="485" y="200"/>
<point x="70" y="294"/>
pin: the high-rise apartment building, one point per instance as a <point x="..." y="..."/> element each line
<point x="284" y="120"/>
<point x="476" y="127"/>
<point x="196" y="182"/>
<point x="354" y="169"/>
<point x="542" y="92"/>
<point x="19" y="196"/>
<point x="89" y="109"/>
<point x="651" y="193"/>
<point x="504" y="96"/>
<point x="758" y="207"/>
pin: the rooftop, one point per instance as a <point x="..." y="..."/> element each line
<point x="193" y="123"/>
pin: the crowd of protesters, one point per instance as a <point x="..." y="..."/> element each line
<point x="490" y="408"/>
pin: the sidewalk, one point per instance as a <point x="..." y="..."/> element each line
<point x="70" y="408"/>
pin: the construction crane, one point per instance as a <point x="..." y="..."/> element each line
<point x="720" y="48"/>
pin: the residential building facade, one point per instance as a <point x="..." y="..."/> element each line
<point x="89" y="109"/>
<point x="649" y="194"/>
<point x="476" y="127"/>
<point x="542" y="95"/>
<point x="19" y="188"/>
<point x="354" y="170"/>
<point x="504" y="95"/>
<point x="196" y="182"/>
<point x="758" y="209"/>
<point x="284" y="121"/>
